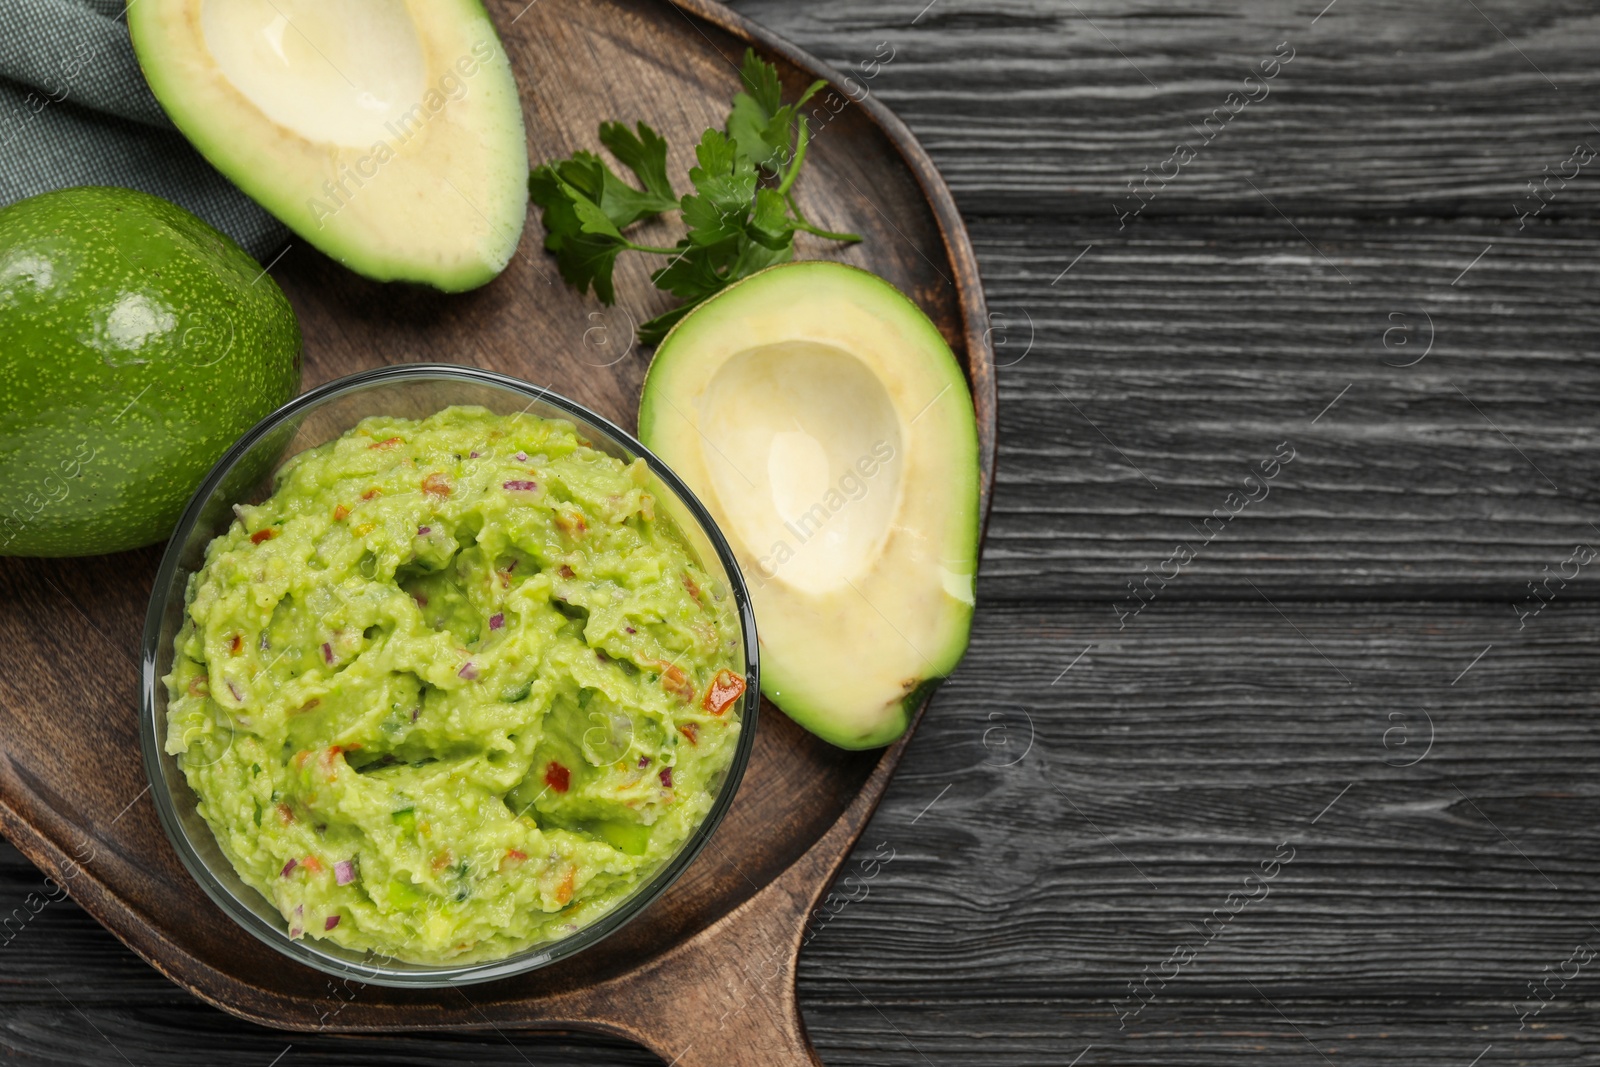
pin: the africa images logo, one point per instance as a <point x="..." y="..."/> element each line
<point x="851" y="486"/>
<point x="451" y="86"/>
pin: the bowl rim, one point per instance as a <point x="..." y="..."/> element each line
<point x="418" y="976"/>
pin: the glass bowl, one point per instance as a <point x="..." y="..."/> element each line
<point x="243" y="475"/>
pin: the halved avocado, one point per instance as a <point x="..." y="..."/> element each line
<point x="823" y="420"/>
<point x="388" y="133"/>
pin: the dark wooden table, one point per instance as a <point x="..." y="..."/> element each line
<point x="1320" y="789"/>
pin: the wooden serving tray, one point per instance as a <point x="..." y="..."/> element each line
<point x="706" y="975"/>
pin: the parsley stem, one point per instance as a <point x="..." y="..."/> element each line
<point x="847" y="238"/>
<point x="799" y="159"/>
<point x="802" y="223"/>
<point x="650" y="248"/>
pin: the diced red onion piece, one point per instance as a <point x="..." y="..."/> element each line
<point x="516" y="486"/>
<point x="333" y="920"/>
<point x="344" y="872"/>
<point x="327" y="652"/>
<point x="496" y="621"/>
<point x="522" y="457"/>
<point x="288" y="868"/>
<point x="468" y="671"/>
<point x="424" y="531"/>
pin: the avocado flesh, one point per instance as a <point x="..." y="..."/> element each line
<point x="823" y="421"/>
<point x="387" y="133"/>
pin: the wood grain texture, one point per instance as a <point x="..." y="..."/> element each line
<point x="1141" y="391"/>
<point x="1388" y="109"/>
<point x="1193" y="742"/>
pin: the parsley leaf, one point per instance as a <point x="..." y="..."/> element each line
<point x="585" y="257"/>
<point x="646" y="155"/>
<point x="623" y="204"/>
<point x="770" y="224"/>
<point x="760" y="123"/>
<point x="699" y="273"/>
<point x="736" y="225"/>
<point x="586" y="205"/>
<point x="724" y="187"/>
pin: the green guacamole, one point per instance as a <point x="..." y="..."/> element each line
<point x="455" y="689"/>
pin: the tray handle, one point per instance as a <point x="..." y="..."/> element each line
<point x="726" y="996"/>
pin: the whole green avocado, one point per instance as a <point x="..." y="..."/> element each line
<point x="136" y="345"/>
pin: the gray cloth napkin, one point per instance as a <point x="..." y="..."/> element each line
<point x="75" y="110"/>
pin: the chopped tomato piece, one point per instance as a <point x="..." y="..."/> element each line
<point x="198" y="686"/>
<point x="564" y="890"/>
<point x="330" y="758"/>
<point x="442" y="860"/>
<point x="691" y="730"/>
<point x="725" y="688"/>
<point x="565" y="571"/>
<point x="286" y="814"/>
<point x="236" y="645"/>
<point x="340" y="513"/>
<point x="557" y="777"/>
<point x="694" y="590"/>
<point x="436" y="484"/>
<point x="674" y="681"/>
<point x="370" y="493"/>
<point x="571" y="525"/>
<point x="387" y="443"/>
<point x="263" y="535"/>
<point x="312" y="864"/>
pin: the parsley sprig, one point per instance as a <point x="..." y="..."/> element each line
<point x="741" y="217"/>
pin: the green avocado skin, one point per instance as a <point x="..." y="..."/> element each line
<point x="137" y="344"/>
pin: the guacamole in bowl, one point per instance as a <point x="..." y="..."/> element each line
<point x="457" y="689"/>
